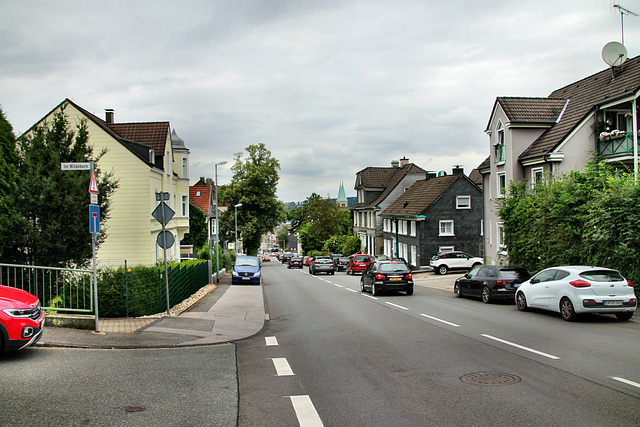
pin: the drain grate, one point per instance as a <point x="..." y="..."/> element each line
<point x="482" y="378"/>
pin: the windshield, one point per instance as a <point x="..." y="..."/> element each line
<point x="247" y="262"/>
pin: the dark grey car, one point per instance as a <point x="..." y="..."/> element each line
<point x="322" y="264"/>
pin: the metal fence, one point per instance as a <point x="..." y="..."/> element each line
<point x="59" y="289"/>
<point x="122" y="291"/>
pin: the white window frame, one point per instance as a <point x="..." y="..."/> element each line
<point x="414" y="227"/>
<point x="446" y="223"/>
<point x="535" y="172"/>
<point x="446" y="248"/>
<point x="185" y="205"/>
<point x="500" y="236"/>
<point x="463" y="205"/>
<point x="185" y="167"/>
<point x="499" y="144"/>
<point x="501" y="183"/>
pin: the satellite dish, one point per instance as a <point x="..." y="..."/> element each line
<point x="614" y="54"/>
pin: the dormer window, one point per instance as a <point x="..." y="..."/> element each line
<point x="498" y="144"/>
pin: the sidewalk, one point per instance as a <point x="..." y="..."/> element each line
<point x="228" y="313"/>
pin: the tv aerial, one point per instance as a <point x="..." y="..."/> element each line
<point x="623" y="11"/>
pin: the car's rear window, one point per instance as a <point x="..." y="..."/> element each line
<point x="393" y="268"/>
<point x="362" y="259"/>
<point x="514" y="274"/>
<point x="602" y="276"/>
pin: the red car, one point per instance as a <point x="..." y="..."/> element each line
<point x="358" y="263"/>
<point x="21" y="319"/>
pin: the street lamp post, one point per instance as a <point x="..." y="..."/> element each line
<point x="216" y="223"/>
<point x="236" y="244"/>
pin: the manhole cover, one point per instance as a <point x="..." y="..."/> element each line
<point x="481" y="378"/>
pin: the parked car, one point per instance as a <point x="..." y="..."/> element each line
<point x="443" y="262"/>
<point x="21" y="319"/>
<point x="341" y="263"/>
<point x="246" y="271"/>
<point x="322" y="264"/>
<point x="387" y="276"/>
<point x="285" y="257"/>
<point x="295" y="262"/>
<point x="571" y="290"/>
<point x="491" y="282"/>
<point x="358" y="263"/>
<point x="266" y="258"/>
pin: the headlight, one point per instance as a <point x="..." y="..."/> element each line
<point x="257" y="274"/>
<point x="18" y="312"/>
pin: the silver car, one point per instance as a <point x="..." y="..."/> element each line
<point x="322" y="264"/>
<point x="572" y="290"/>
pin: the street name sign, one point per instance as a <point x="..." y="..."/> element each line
<point x="75" y="166"/>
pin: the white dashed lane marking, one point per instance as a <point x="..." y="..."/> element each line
<point x="270" y="341"/>
<point x="305" y="411"/>
<point x="550" y="356"/>
<point x="439" y="320"/>
<point x="282" y="367"/>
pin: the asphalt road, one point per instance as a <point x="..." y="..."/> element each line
<point x="333" y="356"/>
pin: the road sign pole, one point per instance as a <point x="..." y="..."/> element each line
<point x="94" y="237"/>
<point x="164" y="255"/>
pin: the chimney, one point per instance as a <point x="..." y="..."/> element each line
<point x="404" y="162"/>
<point x="395" y="163"/>
<point x="109" y="115"/>
<point x="458" y="170"/>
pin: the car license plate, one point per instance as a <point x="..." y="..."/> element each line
<point x="613" y="303"/>
<point x="395" y="278"/>
<point x="246" y="278"/>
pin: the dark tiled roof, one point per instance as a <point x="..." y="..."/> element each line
<point x="583" y="97"/>
<point x="398" y="174"/>
<point x="152" y="134"/>
<point x="476" y="177"/>
<point x="532" y="110"/>
<point x="420" y="196"/>
<point x="485" y="164"/>
<point x="375" y="177"/>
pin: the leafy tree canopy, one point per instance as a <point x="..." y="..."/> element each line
<point x="254" y="185"/>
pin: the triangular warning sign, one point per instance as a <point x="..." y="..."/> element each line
<point x="93" y="186"/>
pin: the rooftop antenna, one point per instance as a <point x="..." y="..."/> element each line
<point x="623" y="11"/>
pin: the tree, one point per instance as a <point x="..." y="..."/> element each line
<point x="282" y="236"/>
<point x="10" y="219"/>
<point x="55" y="203"/>
<point x="317" y="221"/>
<point x="198" y="234"/>
<point x="254" y="185"/>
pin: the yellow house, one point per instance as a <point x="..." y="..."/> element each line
<point x="146" y="158"/>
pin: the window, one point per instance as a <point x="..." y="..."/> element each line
<point x="446" y="249"/>
<point x="414" y="226"/>
<point x="185" y="206"/>
<point x="463" y="202"/>
<point x="500" y="235"/>
<point x="185" y="167"/>
<point x="537" y="176"/>
<point x="498" y="144"/>
<point x="502" y="184"/>
<point x="446" y="228"/>
<point x="198" y="193"/>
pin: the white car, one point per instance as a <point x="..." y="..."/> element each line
<point x="572" y="290"/>
<point x="442" y="262"/>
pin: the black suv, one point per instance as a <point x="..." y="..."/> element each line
<point x="491" y="282"/>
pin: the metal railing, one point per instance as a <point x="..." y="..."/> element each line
<point x="611" y="146"/>
<point x="59" y="289"/>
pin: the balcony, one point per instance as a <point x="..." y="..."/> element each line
<point x="620" y="145"/>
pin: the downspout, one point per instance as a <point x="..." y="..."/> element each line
<point x="396" y="219"/>
<point x="635" y="141"/>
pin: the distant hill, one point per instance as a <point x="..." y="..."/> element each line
<point x="351" y="201"/>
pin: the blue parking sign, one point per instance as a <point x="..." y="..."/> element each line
<point x="94" y="218"/>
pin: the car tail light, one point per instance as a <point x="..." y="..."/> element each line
<point x="587" y="302"/>
<point x="629" y="283"/>
<point x="502" y="282"/>
<point x="380" y="276"/>
<point x="580" y="284"/>
<point x="408" y="276"/>
<point x="632" y="301"/>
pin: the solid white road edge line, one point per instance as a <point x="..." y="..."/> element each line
<point x="550" y="356"/>
<point x="269" y="341"/>
<point x="439" y="320"/>
<point x="282" y="367"/>
<point x="626" y="381"/>
<point x="305" y="411"/>
<point x="396" y="305"/>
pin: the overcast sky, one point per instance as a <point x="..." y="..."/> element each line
<point x="329" y="86"/>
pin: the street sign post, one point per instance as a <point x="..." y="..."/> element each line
<point x="163" y="214"/>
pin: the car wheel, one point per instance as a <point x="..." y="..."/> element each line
<point x="374" y="292"/>
<point x="456" y="290"/>
<point x="625" y="315"/>
<point x="410" y="291"/>
<point x="362" y="285"/>
<point x="333" y="272"/>
<point x="521" y="302"/>
<point x="443" y="269"/>
<point x="486" y="295"/>
<point x="566" y="309"/>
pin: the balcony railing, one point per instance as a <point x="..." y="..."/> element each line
<point x="616" y="145"/>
